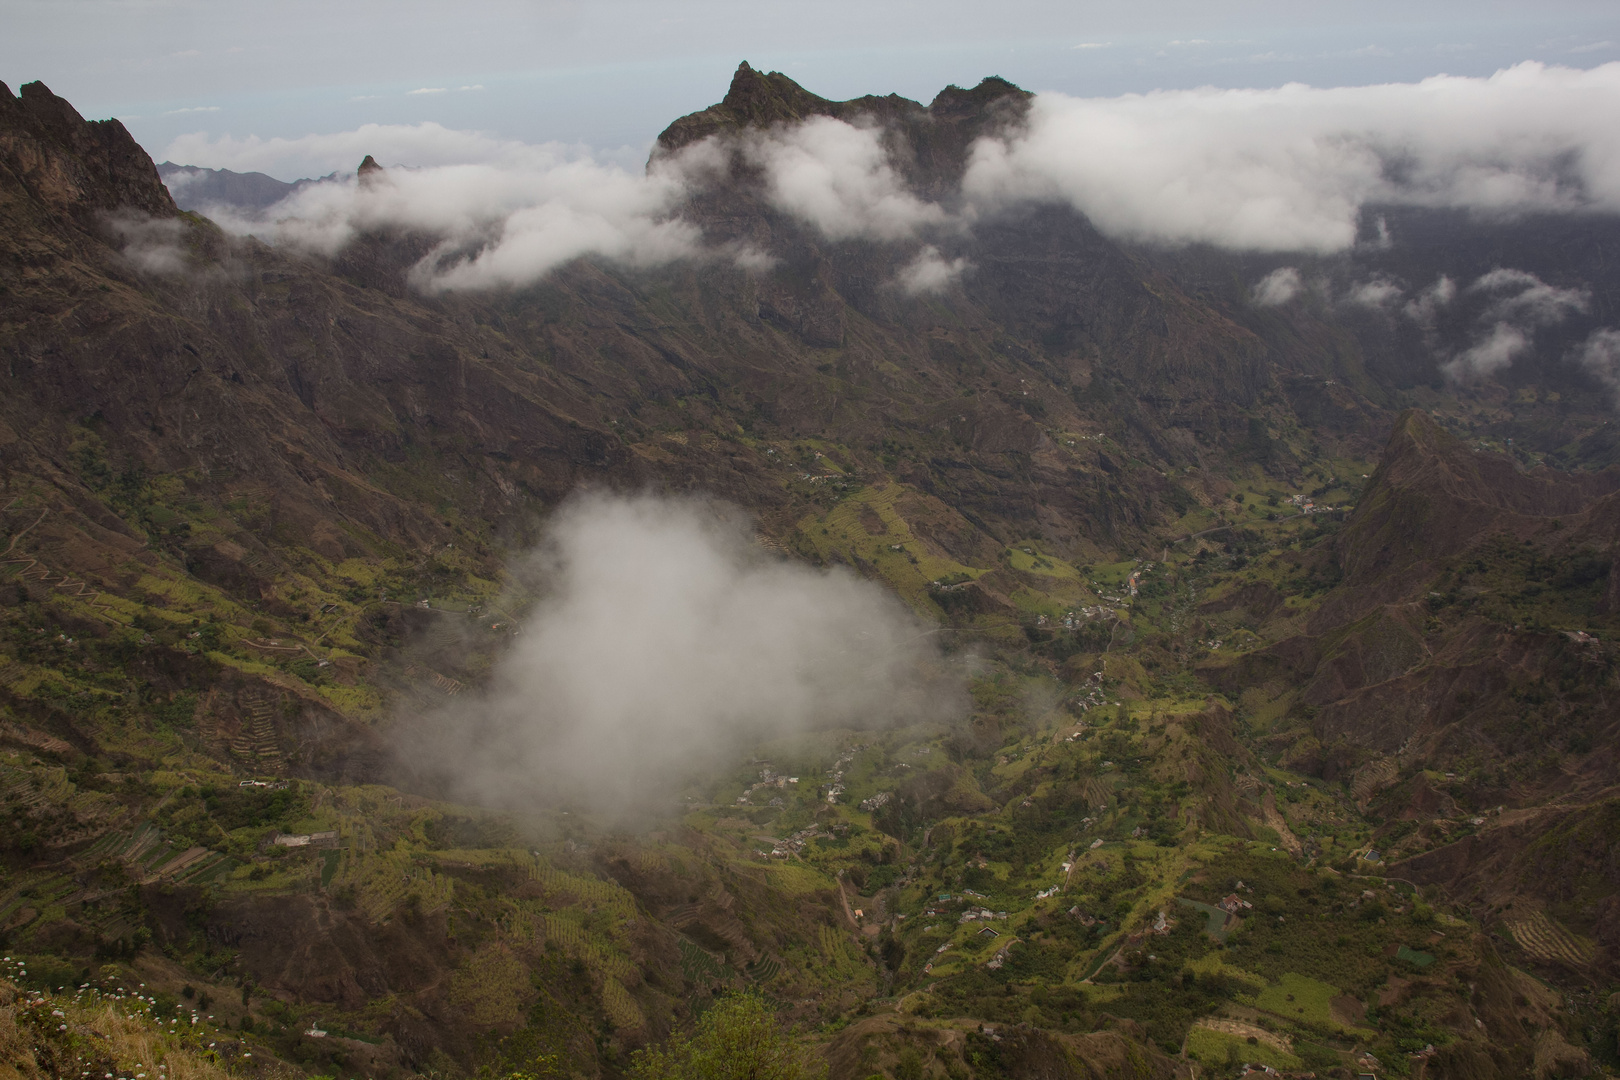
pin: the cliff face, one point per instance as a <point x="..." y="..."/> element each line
<point x="70" y="166"/>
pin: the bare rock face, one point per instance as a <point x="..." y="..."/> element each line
<point x="74" y="166"/>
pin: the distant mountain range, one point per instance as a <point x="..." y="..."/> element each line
<point x="195" y="188"/>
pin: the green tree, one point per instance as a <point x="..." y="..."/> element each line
<point x="738" y="1039"/>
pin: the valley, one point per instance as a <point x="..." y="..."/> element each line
<point x="1283" y="726"/>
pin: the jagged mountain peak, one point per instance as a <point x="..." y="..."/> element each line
<point x="953" y="100"/>
<point x="761" y="99"/>
<point x="73" y="165"/>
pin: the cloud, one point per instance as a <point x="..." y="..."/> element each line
<point x="1424" y="308"/>
<point x="1278" y="287"/>
<point x="930" y="272"/>
<point x="1503" y="344"/>
<point x="667" y="641"/>
<point x="1289" y="169"/>
<point x="837" y="177"/>
<point x="1523" y="298"/>
<point x="429" y="90"/>
<point x="1286" y="170"/>
<point x="193" y="109"/>
<point x="151" y="245"/>
<point x="1600" y="355"/>
<point x="1093" y="45"/>
<point x="1519" y="303"/>
<point x="1596" y="46"/>
<point x="1379" y="294"/>
<point x="507" y="222"/>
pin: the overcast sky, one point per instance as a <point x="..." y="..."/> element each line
<point x="612" y="73"/>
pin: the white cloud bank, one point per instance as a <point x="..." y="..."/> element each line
<point x="507" y="219"/>
<point x="668" y="640"/>
<point x="1287" y="169"/>
<point x="837" y="177"/>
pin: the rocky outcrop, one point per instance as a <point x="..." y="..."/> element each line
<point x="71" y="166"/>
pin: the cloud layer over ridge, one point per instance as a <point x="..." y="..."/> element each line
<point x="1289" y="169"/>
<point x="1285" y="169"/>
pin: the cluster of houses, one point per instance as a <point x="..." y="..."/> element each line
<point x="768" y="778"/>
<point x="1096" y="694"/>
<point x="327" y="839"/>
<point x="980" y="914"/>
<point x="795" y="843"/>
<point x="877" y="802"/>
<point x="836" y="788"/>
<point x="1307" y="505"/>
<point x="267" y="785"/>
<point x="1073" y="619"/>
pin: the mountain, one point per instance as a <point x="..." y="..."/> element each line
<point x="1261" y="613"/>
<point x="199" y="189"/>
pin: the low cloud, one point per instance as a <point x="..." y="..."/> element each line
<point x="1424" y="308"/>
<point x="837" y="177"/>
<point x="1519" y="304"/>
<point x="1499" y="347"/>
<point x="1379" y="294"/>
<point x="1600" y="356"/>
<point x="1521" y="297"/>
<point x="1289" y="169"/>
<point x="151" y="245"/>
<point x="666" y="641"/>
<point x="930" y="272"/>
<point x="507" y="221"/>
<point x="1278" y="287"/>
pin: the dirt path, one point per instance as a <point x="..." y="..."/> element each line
<point x="849" y="912"/>
<point x="13" y="545"/>
<point x="1279" y="824"/>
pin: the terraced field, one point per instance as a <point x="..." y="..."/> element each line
<point x="1544" y="939"/>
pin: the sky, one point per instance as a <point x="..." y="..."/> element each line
<point x="607" y="76"/>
